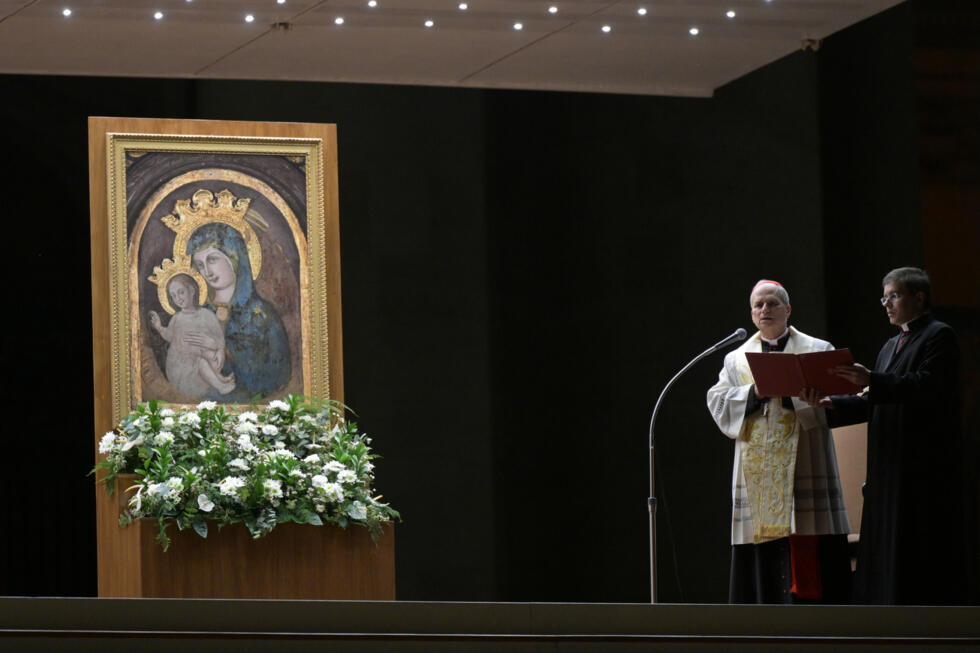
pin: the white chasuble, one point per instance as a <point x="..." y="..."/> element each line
<point x="784" y="477"/>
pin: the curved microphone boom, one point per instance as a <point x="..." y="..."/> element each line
<point x="735" y="337"/>
<point x="738" y="335"/>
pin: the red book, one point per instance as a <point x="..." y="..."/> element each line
<point x="781" y="374"/>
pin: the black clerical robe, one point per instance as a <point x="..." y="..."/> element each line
<point x="911" y="549"/>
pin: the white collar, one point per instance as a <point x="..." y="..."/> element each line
<point x="905" y="326"/>
<point x="774" y="341"/>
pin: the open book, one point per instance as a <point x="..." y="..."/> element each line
<point x="780" y="374"/>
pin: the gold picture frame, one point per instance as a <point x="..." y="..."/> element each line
<point x="221" y="249"/>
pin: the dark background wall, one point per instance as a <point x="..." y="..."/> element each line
<point x="522" y="273"/>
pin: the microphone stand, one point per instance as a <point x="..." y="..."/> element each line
<point x="652" y="500"/>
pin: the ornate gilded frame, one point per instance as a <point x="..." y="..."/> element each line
<point x="315" y="236"/>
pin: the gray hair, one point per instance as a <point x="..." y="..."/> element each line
<point x="780" y="291"/>
<point x="913" y="280"/>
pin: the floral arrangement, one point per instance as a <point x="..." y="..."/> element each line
<point x="296" y="460"/>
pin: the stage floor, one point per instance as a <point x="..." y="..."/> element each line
<point x="90" y="624"/>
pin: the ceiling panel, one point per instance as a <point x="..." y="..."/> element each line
<point x="626" y="46"/>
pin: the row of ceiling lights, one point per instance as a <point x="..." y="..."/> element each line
<point x="339" y="20"/>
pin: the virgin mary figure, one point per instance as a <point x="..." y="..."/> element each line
<point x="256" y="346"/>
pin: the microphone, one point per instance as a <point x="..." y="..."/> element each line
<point x="652" y="500"/>
<point x="735" y="337"/>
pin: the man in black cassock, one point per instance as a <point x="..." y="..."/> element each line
<point x="912" y="548"/>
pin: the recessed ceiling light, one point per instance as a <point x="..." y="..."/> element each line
<point x="463" y="6"/>
<point x="280" y="2"/>
<point x="339" y="20"/>
<point x="730" y="13"/>
<point x="429" y="23"/>
<point x="249" y="18"/>
<point x="158" y="15"/>
<point x="606" y="28"/>
<point x="66" y="12"/>
<point x="694" y="31"/>
<point x="372" y="3"/>
<point x="518" y="26"/>
<point x="552" y="9"/>
<point x="642" y="11"/>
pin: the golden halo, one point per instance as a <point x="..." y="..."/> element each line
<point x="167" y="270"/>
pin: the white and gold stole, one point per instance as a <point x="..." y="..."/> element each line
<point x="769" y="442"/>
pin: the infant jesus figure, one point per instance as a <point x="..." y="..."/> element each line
<point x="196" y="352"/>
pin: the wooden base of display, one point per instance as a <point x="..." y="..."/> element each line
<point x="293" y="562"/>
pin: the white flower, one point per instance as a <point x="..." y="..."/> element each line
<point x="239" y="463"/>
<point x="280" y="453"/>
<point x="165" y="437"/>
<point x="137" y="501"/>
<point x="357" y="511"/>
<point x="272" y="487"/>
<point x="334" y="492"/>
<point x="297" y="472"/>
<point x="312" y="459"/>
<point x="245" y="443"/>
<point x="269" y="429"/>
<point x="320" y="481"/>
<point x="174" y="485"/>
<point x="189" y="418"/>
<point x="230" y="485"/>
<point x="207" y="405"/>
<point x="202" y="453"/>
<point x="105" y="444"/>
<point x="309" y="419"/>
<point x="248" y="416"/>
<point x="346" y="477"/>
<point x="132" y="443"/>
<point x="168" y="422"/>
<point x="204" y="503"/>
<point x="320" y="507"/>
<point x="278" y="405"/>
<point x="280" y="445"/>
<point x="334" y="466"/>
<point x="168" y="491"/>
<point x="247" y="428"/>
<point x="166" y="412"/>
<point x="367" y="466"/>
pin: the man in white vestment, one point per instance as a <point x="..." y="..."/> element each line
<point x="789" y="525"/>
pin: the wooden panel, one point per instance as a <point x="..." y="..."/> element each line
<point x="851" y="443"/>
<point x="293" y="562"/>
<point x="114" y="544"/>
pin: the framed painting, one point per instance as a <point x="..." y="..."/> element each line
<point x="221" y="279"/>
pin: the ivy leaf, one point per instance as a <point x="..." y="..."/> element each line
<point x="310" y="517"/>
<point x="201" y="527"/>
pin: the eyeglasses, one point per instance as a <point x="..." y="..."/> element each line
<point x="891" y="297"/>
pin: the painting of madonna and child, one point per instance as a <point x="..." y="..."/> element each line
<point x="218" y="257"/>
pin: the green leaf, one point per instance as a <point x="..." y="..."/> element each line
<point x="201" y="527"/>
<point x="162" y="534"/>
